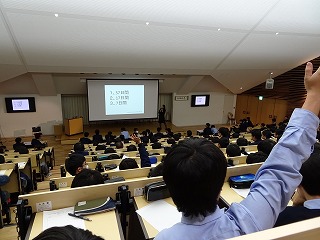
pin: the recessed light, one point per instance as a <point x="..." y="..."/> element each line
<point x="56" y="15"/>
<point x="277" y="33"/>
<point x="271" y="73"/>
<point x="219" y="29"/>
<point x="241" y="88"/>
<point x="147" y="23"/>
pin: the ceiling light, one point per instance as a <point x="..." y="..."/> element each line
<point x="271" y="73"/>
<point x="277" y="33"/>
<point x="147" y="23"/>
<point x="219" y="29"/>
<point x="56" y="15"/>
<point x="241" y="88"/>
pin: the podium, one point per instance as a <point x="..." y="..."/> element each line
<point x="73" y="126"/>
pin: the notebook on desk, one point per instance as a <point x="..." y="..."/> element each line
<point x="94" y="206"/>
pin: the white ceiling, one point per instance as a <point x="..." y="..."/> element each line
<point x="233" y="41"/>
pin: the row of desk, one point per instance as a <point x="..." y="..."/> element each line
<point x="108" y="224"/>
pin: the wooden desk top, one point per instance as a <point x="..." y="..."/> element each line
<point x="7" y="172"/>
<point x="230" y="196"/>
<point x="106" y="225"/>
<point x="148" y="230"/>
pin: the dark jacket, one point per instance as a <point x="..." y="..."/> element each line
<point x="256" y="157"/>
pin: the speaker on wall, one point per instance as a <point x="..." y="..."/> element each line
<point x="269" y="83"/>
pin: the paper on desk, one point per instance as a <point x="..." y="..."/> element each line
<point x="21" y="165"/>
<point x="160" y="214"/>
<point x="60" y="218"/>
<point x="2" y="172"/>
<point x="242" y="192"/>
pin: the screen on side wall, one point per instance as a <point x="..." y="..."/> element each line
<point x="122" y="99"/>
<point x="20" y="104"/>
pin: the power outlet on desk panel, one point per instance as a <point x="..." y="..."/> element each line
<point x="138" y="192"/>
<point x="63" y="184"/>
<point x="44" y="206"/>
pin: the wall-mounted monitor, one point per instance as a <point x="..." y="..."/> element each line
<point x="200" y="100"/>
<point x="20" y="104"/>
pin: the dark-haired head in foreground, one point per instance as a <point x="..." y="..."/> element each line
<point x="199" y="165"/>
<point x="87" y="177"/>
<point x="67" y="232"/>
<point x="75" y="163"/>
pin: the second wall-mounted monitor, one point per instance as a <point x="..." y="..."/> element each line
<point x="200" y="100"/>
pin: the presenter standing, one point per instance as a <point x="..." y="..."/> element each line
<point x="161" y="115"/>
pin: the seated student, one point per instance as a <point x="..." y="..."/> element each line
<point x="144" y="138"/>
<point x="207" y="130"/>
<point x="242" y="142"/>
<point x="75" y="163"/>
<point x="67" y="232"/>
<point x="169" y="132"/>
<point x="128" y="163"/>
<point x="224" y="132"/>
<point x="85" y="139"/>
<point x="131" y="148"/>
<point x="278" y="134"/>
<point x="223" y="142"/>
<point x="263" y="127"/>
<point x="110" y="150"/>
<point x="109" y="137"/>
<point x="78" y="148"/>
<point x="136" y="132"/>
<point x="4" y="179"/>
<point x="36" y="142"/>
<point x="266" y="134"/>
<point x="125" y="133"/>
<point x="158" y="134"/>
<point x="119" y="144"/>
<point x="97" y="137"/>
<point x="87" y="177"/>
<point x="270" y="193"/>
<point x="189" y="134"/>
<point x="255" y="137"/>
<point x="233" y="150"/>
<point x="113" y="156"/>
<point x="306" y="200"/>
<point x="264" y="148"/>
<point x="214" y="130"/>
<point x="149" y="134"/>
<point x="18" y="144"/>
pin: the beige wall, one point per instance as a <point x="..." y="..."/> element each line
<point x="216" y="113"/>
<point x="48" y="113"/>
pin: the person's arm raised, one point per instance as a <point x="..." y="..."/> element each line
<point x="312" y="85"/>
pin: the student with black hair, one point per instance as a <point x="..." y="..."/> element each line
<point x="109" y="137"/>
<point x="264" y="148"/>
<point x="195" y="190"/>
<point x="128" y="163"/>
<point x="18" y="144"/>
<point x="97" y="137"/>
<point x="85" y="139"/>
<point x="78" y="148"/>
<point x="131" y="148"/>
<point x="278" y="134"/>
<point x="158" y="134"/>
<point x="75" y="163"/>
<point x="169" y="132"/>
<point x="207" y="130"/>
<point x="36" y="141"/>
<point x="255" y="137"/>
<point x="233" y="150"/>
<point x="224" y="132"/>
<point x="189" y="134"/>
<point x="306" y="200"/>
<point x="242" y="142"/>
<point x="119" y="144"/>
<point x="109" y="150"/>
<point x="266" y="134"/>
<point x="223" y="142"/>
<point x="67" y="232"/>
<point x="87" y="177"/>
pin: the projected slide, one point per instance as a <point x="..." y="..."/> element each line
<point x="20" y="104"/>
<point x="124" y="99"/>
<point x="200" y="100"/>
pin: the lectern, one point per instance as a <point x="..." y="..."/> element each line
<point x="73" y="126"/>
